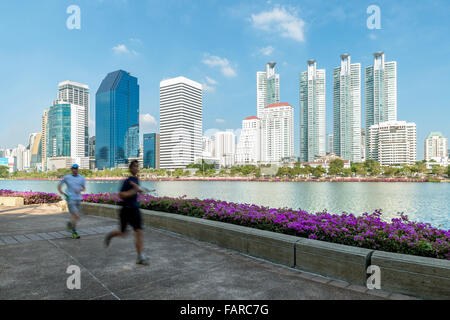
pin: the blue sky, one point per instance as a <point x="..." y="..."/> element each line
<point x="221" y="44"/>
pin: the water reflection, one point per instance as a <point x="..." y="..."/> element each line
<point x="426" y="202"/>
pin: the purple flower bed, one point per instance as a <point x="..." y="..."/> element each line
<point x="366" y="231"/>
<point x="32" y="197"/>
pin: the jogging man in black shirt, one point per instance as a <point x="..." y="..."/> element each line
<point x="130" y="213"/>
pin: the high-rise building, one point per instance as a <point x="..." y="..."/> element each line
<point x="312" y="113"/>
<point x="248" y="150"/>
<point x="91" y="149"/>
<point x="225" y="148"/>
<point x="330" y="143"/>
<point x="35" y="149"/>
<point x="77" y="94"/>
<point x="20" y="157"/>
<point x="363" y="144"/>
<point x="59" y="131"/>
<point x="44" y="140"/>
<point x="393" y="143"/>
<point x="151" y="150"/>
<point x="277" y="133"/>
<point x="116" y="120"/>
<point x="64" y="136"/>
<point x="347" y="110"/>
<point x="436" y="147"/>
<point x="180" y="122"/>
<point x="207" y="147"/>
<point x="380" y="92"/>
<point x="267" y="88"/>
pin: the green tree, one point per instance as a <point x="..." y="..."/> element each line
<point x="421" y="167"/>
<point x="318" y="171"/>
<point x="178" y="172"/>
<point x="336" y="167"/>
<point x="389" y="171"/>
<point x="235" y="170"/>
<point x="372" y="167"/>
<point x="282" y="172"/>
<point x="346" y="172"/>
<point x="358" y="169"/>
<point x="437" y="170"/>
<point x="4" y="172"/>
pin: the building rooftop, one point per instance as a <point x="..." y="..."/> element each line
<point x="435" y="134"/>
<point x="281" y="104"/>
<point x="176" y="80"/>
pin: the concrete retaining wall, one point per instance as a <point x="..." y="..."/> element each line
<point x="417" y="276"/>
<point x="11" y="201"/>
<point x="414" y="275"/>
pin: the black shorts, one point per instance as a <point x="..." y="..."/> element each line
<point x="130" y="216"/>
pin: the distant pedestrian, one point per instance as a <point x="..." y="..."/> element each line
<point x="130" y="213"/>
<point x="75" y="185"/>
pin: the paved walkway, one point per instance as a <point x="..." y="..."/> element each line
<point x="35" y="252"/>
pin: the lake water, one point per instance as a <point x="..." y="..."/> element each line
<point x="424" y="202"/>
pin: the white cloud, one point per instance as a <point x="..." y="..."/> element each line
<point x="210" y="80"/>
<point x="147" y="124"/>
<point x="281" y="21"/>
<point x="220" y="120"/>
<point x="267" y="51"/>
<point x="147" y="119"/>
<point x="122" y="49"/>
<point x="209" y="84"/>
<point x="224" y="65"/>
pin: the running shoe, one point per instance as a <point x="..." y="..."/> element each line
<point x="143" y="261"/>
<point x="107" y="241"/>
<point x="75" y="235"/>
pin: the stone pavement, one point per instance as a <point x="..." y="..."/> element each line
<point x="35" y="252"/>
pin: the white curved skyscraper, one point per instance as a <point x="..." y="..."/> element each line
<point x="347" y="110"/>
<point x="312" y="113"/>
<point x="267" y="88"/>
<point x="380" y="92"/>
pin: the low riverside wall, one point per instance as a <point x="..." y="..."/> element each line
<point x="11" y="201"/>
<point x="427" y="278"/>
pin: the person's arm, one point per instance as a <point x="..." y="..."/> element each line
<point x="60" y="186"/>
<point x="83" y="187"/>
<point x="131" y="192"/>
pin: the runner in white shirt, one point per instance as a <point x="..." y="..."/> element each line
<point x="75" y="185"/>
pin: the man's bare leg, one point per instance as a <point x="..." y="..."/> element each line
<point x="138" y="241"/>
<point x="139" y="247"/>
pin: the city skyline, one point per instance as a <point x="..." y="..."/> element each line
<point x="228" y="74"/>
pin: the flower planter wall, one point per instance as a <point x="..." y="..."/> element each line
<point x="11" y="201"/>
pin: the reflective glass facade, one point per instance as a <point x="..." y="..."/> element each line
<point x="116" y="120"/>
<point x="58" y="131"/>
<point x="151" y="150"/>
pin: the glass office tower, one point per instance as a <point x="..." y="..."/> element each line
<point x="116" y="120"/>
<point x="151" y="150"/>
<point x="59" y="131"/>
